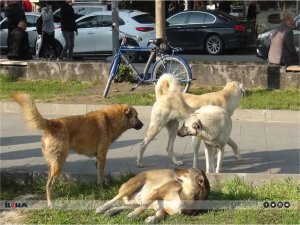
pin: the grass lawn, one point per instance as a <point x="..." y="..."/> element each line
<point x="49" y="91"/>
<point x="44" y="90"/>
<point x="234" y="189"/>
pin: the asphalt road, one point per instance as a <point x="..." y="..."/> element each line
<point x="235" y="56"/>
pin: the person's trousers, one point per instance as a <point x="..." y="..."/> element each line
<point x="273" y="79"/>
<point x="69" y="44"/>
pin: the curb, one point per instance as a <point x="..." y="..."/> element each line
<point x="29" y="177"/>
<point x="253" y="115"/>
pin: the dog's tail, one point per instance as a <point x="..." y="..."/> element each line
<point x="166" y="83"/>
<point x="32" y="116"/>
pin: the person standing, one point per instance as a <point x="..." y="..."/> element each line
<point x="68" y="28"/>
<point x="48" y="40"/>
<point x="20" y="48"/>
<point x="14" y="13"/>
<point x="282" y="49"/>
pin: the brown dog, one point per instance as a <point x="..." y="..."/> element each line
<point x="89" y="134"/>
<point x="166" y="191"/>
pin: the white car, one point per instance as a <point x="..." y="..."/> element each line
<point x="31" y="18"/>
<point x="95" y="31"/>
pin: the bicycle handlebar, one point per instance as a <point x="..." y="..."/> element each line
<point x="139" y="38"/>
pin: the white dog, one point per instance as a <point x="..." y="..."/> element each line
<point x="213" y="125"/>
<point x="172" y="106"/>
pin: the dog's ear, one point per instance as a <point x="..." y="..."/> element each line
<point x="128" y="112"/>
<point x="197" y="125"/>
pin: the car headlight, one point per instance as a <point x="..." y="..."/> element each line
<point x="264" y="35"/>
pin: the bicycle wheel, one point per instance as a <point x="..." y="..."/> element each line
<point x="112" y="72"/>
<point x="176" y="66"/>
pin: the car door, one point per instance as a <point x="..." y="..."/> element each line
<point x="195" y="30"/>
<point x="3" y="34"/>
<point x="86" y="41"/>
<point x="104" y="34"/>
<point x="31" y="29"/>
<point x="176" y="29"/>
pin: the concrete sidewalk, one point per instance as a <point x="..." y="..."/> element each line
<point x="268" y="141"/>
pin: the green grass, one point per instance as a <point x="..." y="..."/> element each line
<point x="51" y="90"/>
<point x="233" y="189"/>
<point x="45" y="90"/>
<point x="253" y="99"/>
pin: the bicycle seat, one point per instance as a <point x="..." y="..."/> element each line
<point x="157" y="41"/>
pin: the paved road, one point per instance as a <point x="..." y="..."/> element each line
<point x="228" y="57"/>
<point x="267" y="147"/>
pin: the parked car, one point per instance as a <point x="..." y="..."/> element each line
<point x="95" y="31"/>
<point x="263" y="40"/>
<point x="238" y="11"/>
<point x="209" y="30"/>
<point x="31" y="18"/>
<point x="81" y="9"/>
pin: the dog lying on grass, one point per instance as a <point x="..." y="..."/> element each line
<point x="90" y="134"/>
<point x="166" y="191"/>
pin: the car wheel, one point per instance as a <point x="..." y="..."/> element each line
<point x="53" y="51"/>
<point x="214" y="45"/>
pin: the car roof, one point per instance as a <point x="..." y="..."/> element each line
<point x="215" y="12"/>
<point x="123" y="12"/>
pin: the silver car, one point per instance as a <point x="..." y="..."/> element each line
<point x="31" y="18"/>
<point x="95" y="31"/>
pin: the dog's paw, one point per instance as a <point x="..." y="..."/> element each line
<point x="101" y="209"/>
<point x="240" y="159"/>
<point x="139" y="164"/>
<point x="178" y="163"/>
<point x="151" y="219"/>
<point x="132" y="215"/>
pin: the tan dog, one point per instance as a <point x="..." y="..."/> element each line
<point x="89" y="134"/>
<point x="172" y="105"/>
<point x="166" y="191"/>
<point x="213" y="125"/>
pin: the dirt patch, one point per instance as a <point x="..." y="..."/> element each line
<point x="94" y="95"/>
<point x="13" y="216"/>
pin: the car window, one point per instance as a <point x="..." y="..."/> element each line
<point x="209" y="18"/>
<point x="144" y="18"/>
<point x="79" y="11"/>
<point x="197" y="17"/>
<point x="82" y="10"/>
<point x="88" y="22"/>
<point x="177" y="19"/>
<point x="4" y="24"/>
<point x="31" y="20"/>
<point x="106" y="21"/>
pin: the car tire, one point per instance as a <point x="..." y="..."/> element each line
<point x="49" y="52"/>
<point x="214" y="45"/>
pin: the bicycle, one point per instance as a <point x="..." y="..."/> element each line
<point x="166" y="63"/>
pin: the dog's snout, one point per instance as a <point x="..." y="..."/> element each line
<point x="138" y="125"/>
<point x="182" y="132"/>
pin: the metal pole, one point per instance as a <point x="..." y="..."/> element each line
<point x="115" y="20"/>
